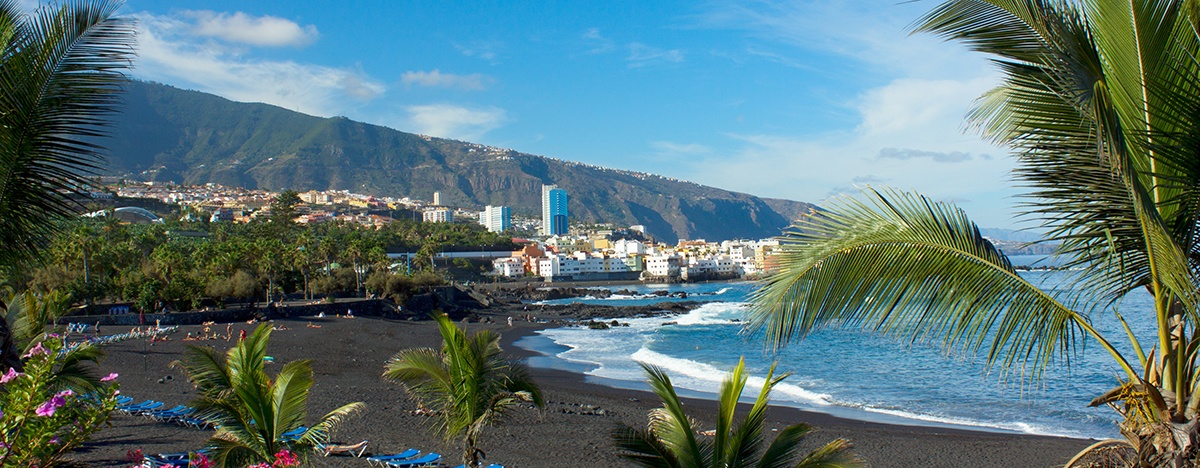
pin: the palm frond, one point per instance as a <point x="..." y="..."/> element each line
<point x="206" y="370"/>
<point x="672" y="426"/>
<point x="835" y="454"/>
<point x="643" y="448"/>
<point x="61" y="74"/>
<point x="289" y="397"/>
<point x="322" y="431"/>
<point x="908" y="267"/>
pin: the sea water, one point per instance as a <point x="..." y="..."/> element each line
<point x="850" y="372"/>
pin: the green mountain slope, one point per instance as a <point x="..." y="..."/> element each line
<point x="169" y="134"/>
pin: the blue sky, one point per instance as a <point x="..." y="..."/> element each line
<point x="801" y="100"/>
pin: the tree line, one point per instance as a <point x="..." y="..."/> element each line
<point x="188" y="265"/>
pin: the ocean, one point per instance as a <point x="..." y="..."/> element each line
<point x="849" y="372"/>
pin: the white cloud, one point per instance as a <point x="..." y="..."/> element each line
<point x="486" y="50"/>
<point x="454" y="121"/>
<point x="672" y="148"/>
<point x="642" y="54"/>
<point x="168" y="52"/>
<point x="599" y="44"/>
<point x="435" y="78"/>
<point x="259" y="31"/>
<point x="910" y="108"/>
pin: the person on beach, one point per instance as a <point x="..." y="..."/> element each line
<point x="510" y="321"/>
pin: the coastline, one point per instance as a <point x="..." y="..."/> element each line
<point x="574" y="427"/>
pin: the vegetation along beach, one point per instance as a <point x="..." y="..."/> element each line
<point x="770" y="233"/>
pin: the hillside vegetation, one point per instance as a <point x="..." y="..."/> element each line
<point x="168" y="134"/>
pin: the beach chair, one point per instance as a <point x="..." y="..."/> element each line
<point x="121" y="399"/>
<point x="195" y="423"/>
<point x="159" y="461"/>
<point x="381" y="460"/>
<point x="171" y="414"/>
<point x="426" y="460"/>
<point x="146" y="409"/>
<point x="293" y="434"/>
<point x="355" y="450"/>
<point x="145" y="405"/>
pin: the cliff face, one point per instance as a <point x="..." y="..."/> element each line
<point x="168" y="134"/>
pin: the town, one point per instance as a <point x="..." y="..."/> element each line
<point x="552" y="248"/>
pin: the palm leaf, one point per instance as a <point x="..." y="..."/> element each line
<point x="643" y="448"/>
<point x="60" y="75"/>
<point x="908" y="267"/>
<point x="671" y="425"/>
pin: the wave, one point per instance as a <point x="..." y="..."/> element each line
<point x="713" y="313"/>
<point x="703" y="377"/>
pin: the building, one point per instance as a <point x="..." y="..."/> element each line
<point x="495" y="218"/>
<point x="554" y="211"/>
<point x="437" y="198"/>
<point x="438" y="216"/>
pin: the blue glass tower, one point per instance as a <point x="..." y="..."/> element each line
<point x="554" y="211"/>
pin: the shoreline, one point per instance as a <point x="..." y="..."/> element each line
<point x="575" y="425"/>
<point x="509" y="343"/>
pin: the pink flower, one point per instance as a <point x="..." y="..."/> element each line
<point x="48" y="408"/>
<point x="36" y="351"/>
<point x="9" y="376"/>
<point x="200" y="461"/>
<point x="110" y="377"/>
<point x="55" y="441"/>
<point x="285" y="458"/>
<point x="64" y="393"/>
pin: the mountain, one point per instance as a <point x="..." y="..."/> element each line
<point x="169" y="134"/>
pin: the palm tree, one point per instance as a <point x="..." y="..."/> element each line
<point x="1100" y="105"/>
<point x="61" y="72"/>
<point x="252" y="412"/>
<point x="469" y="384"/>
<point x="674" y="440"/>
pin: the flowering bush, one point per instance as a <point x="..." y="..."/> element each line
<point x="41" y="418"/>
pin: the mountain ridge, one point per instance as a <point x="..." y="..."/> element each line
<point x="170" y="134"/>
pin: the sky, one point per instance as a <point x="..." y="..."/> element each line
<point x="804" y="100"/>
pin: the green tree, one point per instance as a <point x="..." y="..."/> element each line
<point x="61" y="72"/>
<point x="672" y="439"/>
<point x="469" y="384"/>
<point x="252" y="412"/>
<point x="1100" y="106"/>
<point x="283" y="207"/>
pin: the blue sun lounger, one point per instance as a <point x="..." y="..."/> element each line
<point x="161" y="461"/>
<point x="430" y="459"/>
<point x="146" y="409"/>
<point x="293" y="434"/>
<point x="148" y="405"/>
<point x="180" y="410"/>
<point x="383" y="459"/>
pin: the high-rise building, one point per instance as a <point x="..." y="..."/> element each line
<point x="495" y="218"/>
<point x="437" y="198"/>
<point x="438" y="216"/>
<point x="554" y="211"/>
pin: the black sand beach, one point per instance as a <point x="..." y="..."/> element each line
<point x="573" y="430"/>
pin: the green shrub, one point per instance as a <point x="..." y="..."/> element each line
<point x="43" y="420"/>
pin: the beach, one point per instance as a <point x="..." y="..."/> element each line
<point x="348" y="355"/>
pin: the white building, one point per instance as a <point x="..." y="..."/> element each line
<point x="438" y="216"/>
<point x="662" y="265"/>
<point x="437" y="198"/>
<point x="626" y="247"/>
<point x="508" y="267"/>
<point x="495" y="218"/>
